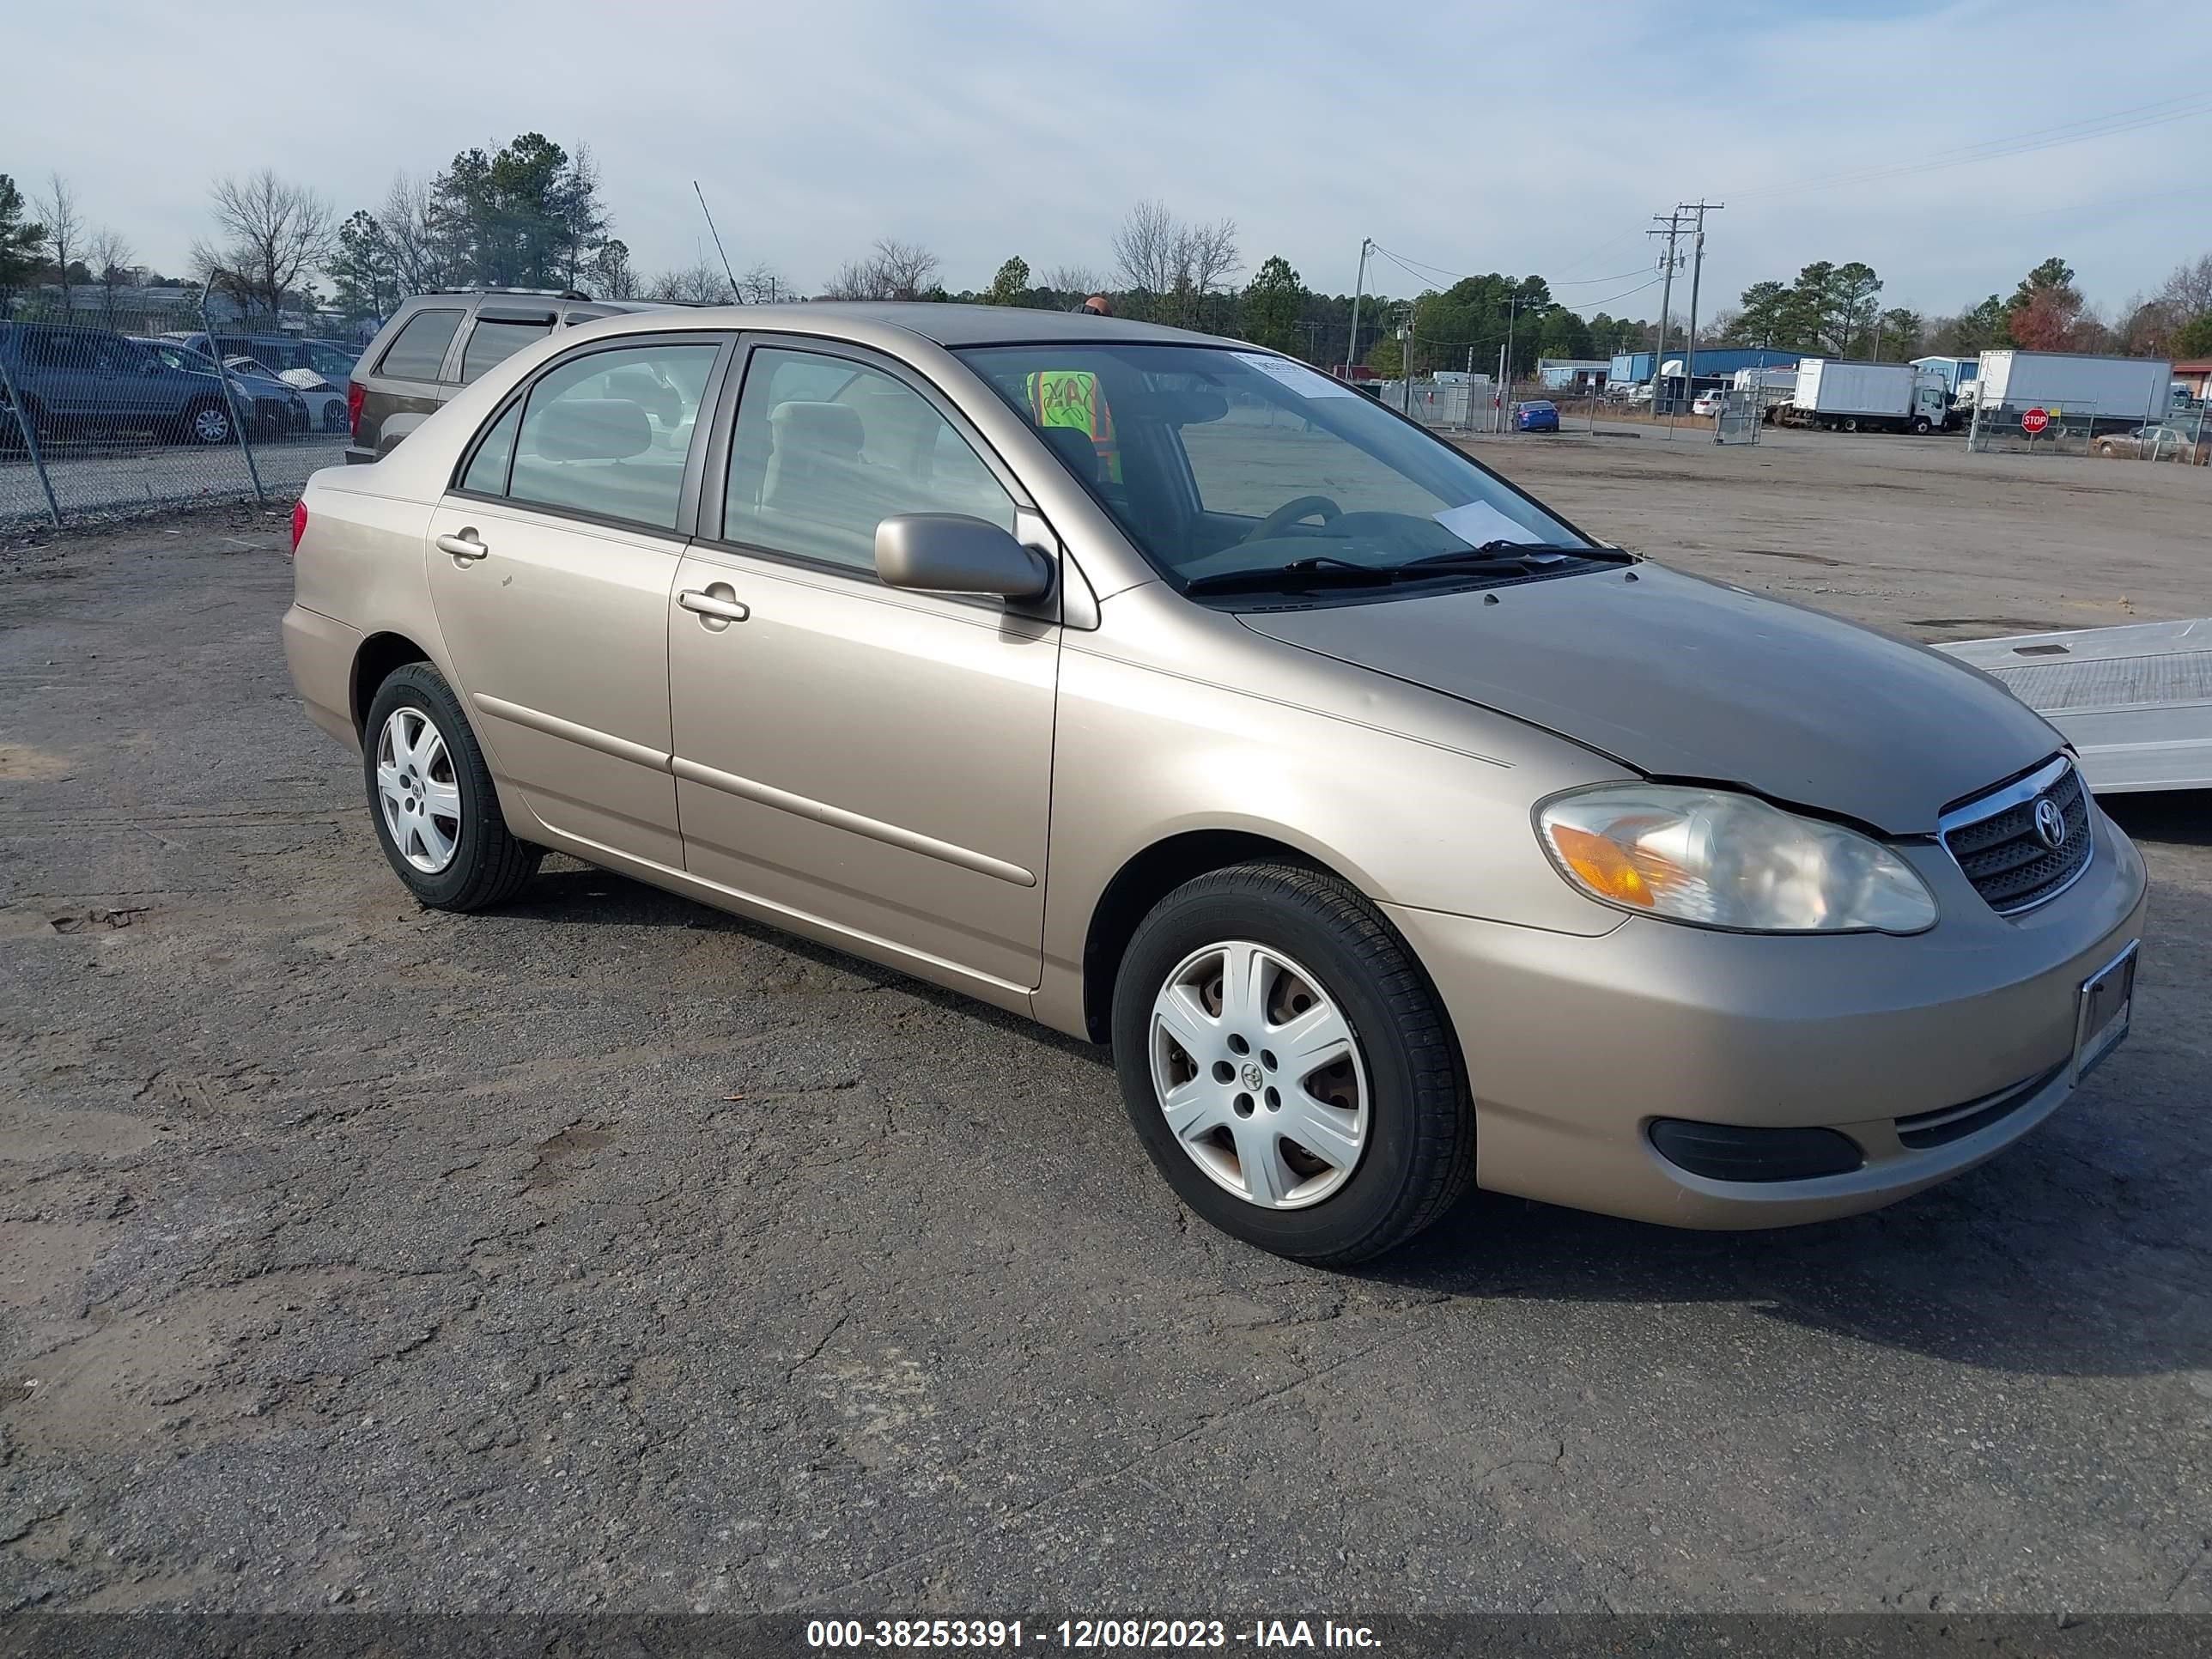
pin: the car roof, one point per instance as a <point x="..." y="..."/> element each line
<point x="948" y="326"/>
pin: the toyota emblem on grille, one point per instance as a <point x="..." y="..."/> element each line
<point x="2049" y="823"/>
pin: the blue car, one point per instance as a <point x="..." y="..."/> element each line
<point x="1537" y="415"/>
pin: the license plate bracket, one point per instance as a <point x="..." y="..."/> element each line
<point x="2107" y="1008"/>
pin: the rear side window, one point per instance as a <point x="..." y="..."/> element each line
<point x="487" y="473"/>
<point x="491" y="340"/>
<point x="419" y="352"/>
<point x="607" y="434"/>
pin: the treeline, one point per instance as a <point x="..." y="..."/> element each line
<point x="1836" y="310"/>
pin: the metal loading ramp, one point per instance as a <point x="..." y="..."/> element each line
<point x="2135" y="702"/>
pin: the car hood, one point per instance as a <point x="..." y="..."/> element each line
<point x="1682" y="678"/>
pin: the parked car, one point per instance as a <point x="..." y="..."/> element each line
<point x="1711" y="401"/>
<point x="435" y="343"/>
<point x="1372" y="810"/>
<point x="322" y="406"/>
<point x="286" y="356"/>
<point x="73" y="379"/>
<point x="270" y="408"/>
<point x="1536" y="415"/>
<point x="2154" y="443"/>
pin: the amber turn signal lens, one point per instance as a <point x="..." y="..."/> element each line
<point x="1604" y="866"/>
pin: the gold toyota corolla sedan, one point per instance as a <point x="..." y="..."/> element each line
<point x="1397" y="834"/>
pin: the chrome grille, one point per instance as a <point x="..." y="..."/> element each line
<point x="1998" y="839"/>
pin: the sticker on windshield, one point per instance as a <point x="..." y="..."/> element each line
<point x="1479" y="522"/>
<point x="1306" y="382"/>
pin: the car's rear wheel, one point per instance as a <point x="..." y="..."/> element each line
<point x="431" y="796"/>
<point x="1284" y="1060"/>
<point x="334" y="416"/>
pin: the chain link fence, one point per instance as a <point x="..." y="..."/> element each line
<point x="108" y="409"/>
<point x="2084" y="429"/>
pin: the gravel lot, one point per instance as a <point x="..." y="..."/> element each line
<point x="609" y="1252"/>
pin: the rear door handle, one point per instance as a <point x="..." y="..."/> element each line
<point x="468" y="546"/>
<point x="718" y="603"/>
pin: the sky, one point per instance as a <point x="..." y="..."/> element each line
<point x="1462" y="138"/>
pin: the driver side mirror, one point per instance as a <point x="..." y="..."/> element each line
<point x="952" y="553"/>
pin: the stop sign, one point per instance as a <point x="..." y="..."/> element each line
<point x="2033" y="421"/>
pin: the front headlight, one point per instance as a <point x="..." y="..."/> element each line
<point x="1717" y="860"/>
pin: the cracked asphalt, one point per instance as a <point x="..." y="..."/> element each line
<point x="608" y="1252"/>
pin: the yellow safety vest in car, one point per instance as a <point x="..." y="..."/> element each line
<point x="1070" y="396"/>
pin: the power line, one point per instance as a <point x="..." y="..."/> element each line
<point x="1405" y="261"/>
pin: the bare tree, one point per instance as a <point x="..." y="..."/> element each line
<point x="892" y="270"/>
<point x="1077" y="279"/>
<point x="1149" y="249"/>
<point x="109" y="254"/>
<point x="1210" y="258"/>
<point x="907" y="270"/>
<point x="2187" y="293"/>
<point x="698" y="284"/>
<point x="764" y="285"/>
<point x="272" y="234"/>
<point x="66" y="230"/>
<point x="420" y="248"/>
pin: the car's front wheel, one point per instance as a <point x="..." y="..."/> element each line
<point x="206" y="424"/>
<point x="1284" y="1060"/>
<point x="431" y="795"/>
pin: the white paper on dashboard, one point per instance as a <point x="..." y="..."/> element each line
<point x="1478" y="522"/>
<point x="1306" y="382"/>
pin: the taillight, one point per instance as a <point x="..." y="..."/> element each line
<point x="355" y="392"/>
<point x="299" y="523"/>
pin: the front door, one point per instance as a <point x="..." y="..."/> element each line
<point x="876" y="761"/>
<point x="551" y="564"/>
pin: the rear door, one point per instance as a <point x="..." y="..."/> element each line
<point x="846" y="753"/>
<point x="551" y="562"/>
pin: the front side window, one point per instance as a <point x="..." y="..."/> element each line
<point x="493" y="340"/>
<point x="824" y="449"/>
<point x="1229" y="463"/>
<point x="606" y="433"/>
<point x="419" y="352"/>
<point x="333" y="365"/>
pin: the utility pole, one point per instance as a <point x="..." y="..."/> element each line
<point x="1669" y="262"/>
<point x="1359" y="290"/>
<point x="1697" y="269"/>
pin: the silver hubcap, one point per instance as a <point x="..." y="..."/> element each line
<point x="1256" y="1070"/>
<point x="211" y="426"/>
<point x="416" y="790"/>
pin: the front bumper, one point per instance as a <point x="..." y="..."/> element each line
<point x="1574" y="1046"/>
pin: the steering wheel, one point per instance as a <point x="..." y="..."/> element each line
<point x="1302" y="506"/>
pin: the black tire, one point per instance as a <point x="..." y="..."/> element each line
<point x="489" y="865"/>
<point x="334" y="418"/>
<point x="1921" y="426"/>
<point x="1418" y="1156"/>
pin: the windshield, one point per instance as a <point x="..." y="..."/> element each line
<point x="1219" y="462"/>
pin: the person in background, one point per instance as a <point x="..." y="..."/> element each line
<point x="1096" y="305"/>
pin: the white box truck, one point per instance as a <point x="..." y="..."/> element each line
<point x="2112" y="392"/>
<point x="1837" y="394"/>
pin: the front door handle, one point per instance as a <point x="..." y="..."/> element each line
<point x="717" y="607"/>
<point x="468" y="547"/>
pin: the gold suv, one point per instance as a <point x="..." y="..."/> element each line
<point x="1397" y="834"/>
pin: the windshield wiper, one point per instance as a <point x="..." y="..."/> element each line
<point x="1504" y="552"/>
<point x="1321" y="568"/>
